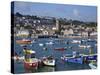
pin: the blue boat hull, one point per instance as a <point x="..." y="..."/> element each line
<point x="88" y="58"/>
<point x="74" y="60"/>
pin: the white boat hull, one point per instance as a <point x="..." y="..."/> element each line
<point x="92" y="66"/>
<point x="49" y="62"/>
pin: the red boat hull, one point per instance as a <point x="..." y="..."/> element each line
<point x="23" y="42"/>
<point x="60" y="49"/>
<point x="31" y="65"/>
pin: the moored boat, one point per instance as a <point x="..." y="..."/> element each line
<point x="24" y="41"/>
<point x="31" y="63"/>
<point x="60" y="49"/>
<point x="84" y="46"/>
<point x="76" y="41"/>
<point x="18" y="58"/>
<point x="90" y="57"/>
<point x="49" y="43"/>
<point x="73" y="58"/>
<point x="30" y="60"/>
<point x="28" y="51"/>
<point x="49" y="61"/>
<point x="41" y="44"/>
<point x="93" y="65"/>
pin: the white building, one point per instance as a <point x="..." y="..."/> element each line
<point x="54" y="28"/>
<point x="93" y="34"/>
<point x="68" y="32"/>
<point x="22" y="33"/>
<point x="45" y="32"/>
<point x="39" y="28"/>
<point x="84" y="34"/>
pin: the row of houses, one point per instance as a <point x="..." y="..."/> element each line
<point x="66" y="32"/>
<point x="25" y="20"/>
<point x="47" y="26"/>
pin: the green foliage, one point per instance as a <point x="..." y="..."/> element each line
<point x="91" y="24"/>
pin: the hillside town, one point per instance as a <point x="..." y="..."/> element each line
<point x="37" y="25"/>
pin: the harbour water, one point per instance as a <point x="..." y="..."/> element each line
<point x="55" y="43"/>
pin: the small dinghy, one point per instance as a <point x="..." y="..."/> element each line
<point x="41" y="44"/>
<point x="49" y="43"/>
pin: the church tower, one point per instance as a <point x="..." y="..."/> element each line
<point x="57" y="24"/>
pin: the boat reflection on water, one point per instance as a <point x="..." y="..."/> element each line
<point x="42" y="69"/>
<point x="30" y="70"/>
<point x="47" y="69"/>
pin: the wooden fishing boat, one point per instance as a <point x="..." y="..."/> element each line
<point x="30" y="60"/>
<point x="31" y="63"/>
<point x="24" y="41"/>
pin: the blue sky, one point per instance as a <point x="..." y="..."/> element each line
<point x="75" y="12"/>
